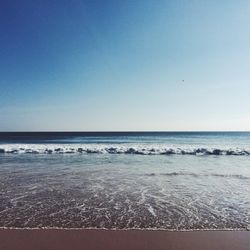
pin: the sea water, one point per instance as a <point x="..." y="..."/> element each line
<point x="123" y="180"/>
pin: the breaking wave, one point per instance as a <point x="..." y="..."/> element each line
<point x="114" y="149"/>
<point x="234" y="176"/>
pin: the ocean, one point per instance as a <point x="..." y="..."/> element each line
<point x="125" y="180"/>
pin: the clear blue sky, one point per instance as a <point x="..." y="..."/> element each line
<point x="120" y="65"/>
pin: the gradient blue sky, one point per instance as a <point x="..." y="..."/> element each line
<point x="120" y="65"/>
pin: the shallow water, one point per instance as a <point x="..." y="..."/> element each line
<point x="111" y="190"/>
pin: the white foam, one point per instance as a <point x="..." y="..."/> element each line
<point x="140" y="149"/>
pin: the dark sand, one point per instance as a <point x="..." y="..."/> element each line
<point x="15" y="239"/>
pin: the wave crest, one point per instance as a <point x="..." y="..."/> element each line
<point x="114" y="149"/>
<point x="235" y="176"/>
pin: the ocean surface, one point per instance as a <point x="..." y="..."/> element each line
<point x="124" y="180"/>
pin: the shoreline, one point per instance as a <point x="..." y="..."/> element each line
<point x="27" y="239"/>
<point x="130" y="229"/>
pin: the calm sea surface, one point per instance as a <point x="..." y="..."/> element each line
<point x="164" y="180"/>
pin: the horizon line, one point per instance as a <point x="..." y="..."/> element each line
<point x="120" y="131"/>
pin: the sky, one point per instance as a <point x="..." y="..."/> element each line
<point x="122" y="65"/>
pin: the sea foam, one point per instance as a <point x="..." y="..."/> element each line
<point x="117" y="149"/>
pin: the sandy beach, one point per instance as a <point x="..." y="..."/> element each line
<point x="43" y="239"/>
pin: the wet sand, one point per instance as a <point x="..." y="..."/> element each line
<point x="15" y="239"/>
